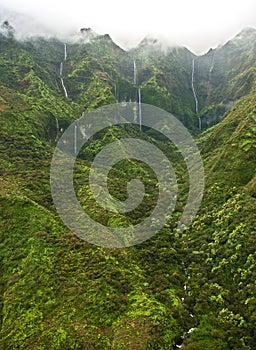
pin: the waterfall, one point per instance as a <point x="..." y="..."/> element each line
<point x="140" y="116"/>
<point x="212" y="64"/>
<point x="57" y="124"/>
<point x="75" y="140"/>
<point x="194" y="93"/>
<point x="179" y="344"/>
<point x="61" y="72"/>
<point x="64" y="88"/>
<point x="209" y="87"/>
<point x="116" y="97"/>
<point x="61" y="68"/>
<point x="57" y="128"/>
<point x="134" y="73"/>
<point x="199" y="123"/>
<point x="65" y="52"/>
<point x="139" y="92"/>
<point x="192" y="85"/>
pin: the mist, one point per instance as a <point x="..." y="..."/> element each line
<point x="198" y="25"/>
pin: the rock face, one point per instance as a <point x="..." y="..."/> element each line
<point x="87" y="34"/>
<point x="6" y="29"/>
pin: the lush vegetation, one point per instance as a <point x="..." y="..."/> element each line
<point x="59" y="292"/>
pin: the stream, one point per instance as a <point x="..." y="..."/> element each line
<point x="179" y="343"/>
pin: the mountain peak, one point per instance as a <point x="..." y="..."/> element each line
<point x="87" y="34"/>
<point x="7" y="29"/>
<point x="246" y="34"/>
<point x="244" y="40"/>
<point x="154" y="44"/>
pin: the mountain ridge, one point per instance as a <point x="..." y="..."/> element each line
<point x="10" y="15"/>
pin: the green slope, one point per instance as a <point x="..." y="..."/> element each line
<point x="58" y="292"/>
<point x="221" y="257"/>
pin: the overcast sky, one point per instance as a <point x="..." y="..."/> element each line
<point x="198" y="24"/>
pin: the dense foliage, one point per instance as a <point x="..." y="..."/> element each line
<point x="59" y="292"/>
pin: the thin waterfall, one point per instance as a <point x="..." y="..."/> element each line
<point x="134" y="73"/>
<point x="75" y="140"/>
<point x="65" y="52"/>
<point x="57" y="128"/>
<point x="209" y="87"/>
<point x="61" y="68"/>
<point x="140" y="116"/>
<point x="212" y="63"/>
<point x="64" y="88"/>
<point x="139" y="92"/>
<point x="57" y="124"/>
<point x="179" y="344"/>
<point x="61" y="72"/>
<point x="194" y="93"/>
<point x="192" y="85"/>
<point x="199" y="123"/>
<point x="116" y="97"/>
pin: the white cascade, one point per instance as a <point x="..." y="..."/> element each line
<point x="194" y="93"/>
<point x="139" y="92"/>
<point x="134" y="73"/>
<point x="57" y="128"/>
<point x="209" y="88"/>
<point x="61" y="72"/>
<point x="57" y="124"/>
<point x="179" y="345"/>
<point x="75" y="140"/>
<point x="65" y="52"/>
<point x="61" y="68"/>
<point x="64" y="88"/>
<point x="140" y="115"/>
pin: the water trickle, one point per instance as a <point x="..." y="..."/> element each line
<point x="179" y="344"/>
<point x="209" y="87"/>
<point x="75" y="140"/>
<point x="194" y="93"/>
<point x="65" y="52"/>
<point x="61" y="72"/>
<point x="64" y="88"/>
<point x="134" y="73"/>
<point x="57" y="128"/>
<point x="61" y="68"/>
<point x="57" y="124"/>
<point x="140" y="116"/>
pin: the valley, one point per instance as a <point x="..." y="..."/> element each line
<point x="188" y="290"/>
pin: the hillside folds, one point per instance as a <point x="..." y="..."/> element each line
<point x="194" y="289"/>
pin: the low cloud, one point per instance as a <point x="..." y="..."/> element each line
<point x="177" y="23"/>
